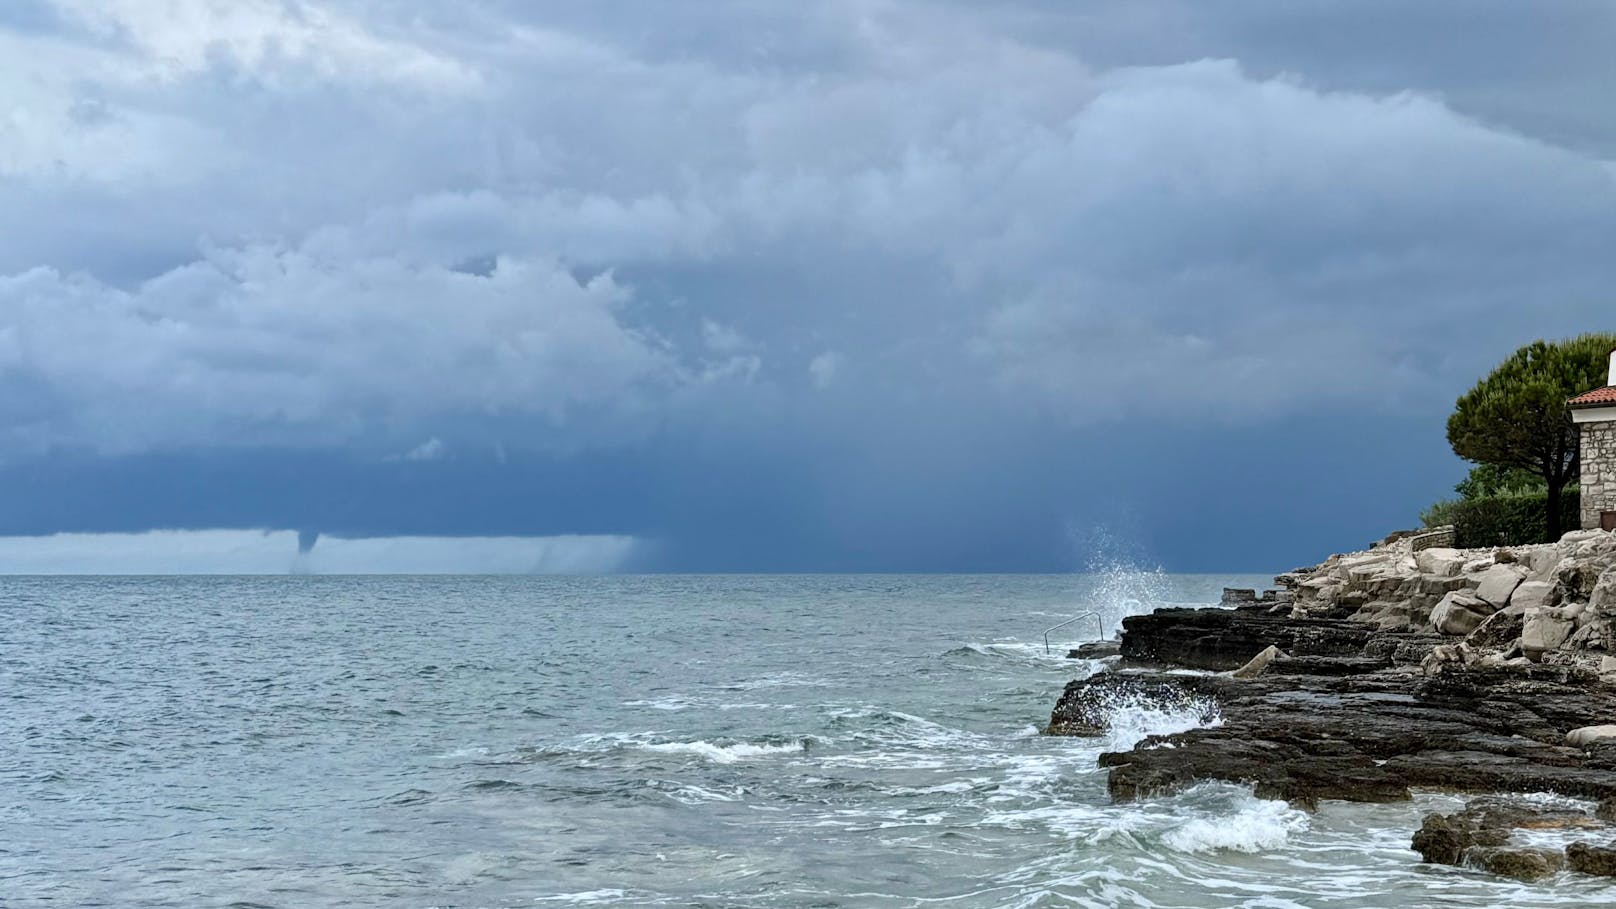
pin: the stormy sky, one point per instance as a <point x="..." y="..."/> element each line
<point x="861" y="285"/>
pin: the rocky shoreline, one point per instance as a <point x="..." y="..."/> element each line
<point x="1381" y="672"/>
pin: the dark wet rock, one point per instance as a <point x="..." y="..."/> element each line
<point x="1239" y="596"/>
<point x="1592" y="858"/>
<point x="1522" y="863"/>
<point x="1328" y="666"/>
<point x="1480" y="836"/>
<point x="1095" y="650"/>
<point x="1225" y="639"/>
<point x="1366" y="736"/>
<point x="1087" y="706"/>
<point x="1403" y="649"/>
<point x="1362" y="698"/>
<point x="1606" y="810"/>
<point x="1444" y="838"/>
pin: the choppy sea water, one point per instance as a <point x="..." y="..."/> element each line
<point x="659" y="741"/>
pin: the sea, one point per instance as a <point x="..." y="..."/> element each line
<point x="735" y="741"/>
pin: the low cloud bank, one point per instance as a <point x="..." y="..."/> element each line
<point x="277" y="552"/>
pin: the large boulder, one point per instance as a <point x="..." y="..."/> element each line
<point x="1546" y="628"/>
<point x="1498" y="582"/>
<point x="1534" y="594"/>
<point x="1460" y="613"/>
<point x="1543" y="560"/>
<point x="1588" y="735"/>
<point x="1442" y="562"/>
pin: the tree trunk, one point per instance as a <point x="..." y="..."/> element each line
<point x="1552" y="516"/>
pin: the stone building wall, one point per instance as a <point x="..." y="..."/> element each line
<point x="1598" y="471"/>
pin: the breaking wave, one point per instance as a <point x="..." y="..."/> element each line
<point x="1255" y="825"/>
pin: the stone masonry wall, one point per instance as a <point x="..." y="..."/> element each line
<point x="1598" y="471"/>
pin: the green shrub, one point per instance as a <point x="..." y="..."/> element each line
<point x="1504" y="520"/>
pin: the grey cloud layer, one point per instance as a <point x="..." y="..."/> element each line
<point x="334" y="224"/>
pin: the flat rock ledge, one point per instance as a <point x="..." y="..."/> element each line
<point x="1333" y="701"/>
<point x="1342" y="714"/>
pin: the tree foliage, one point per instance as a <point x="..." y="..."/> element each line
<point x="1516" y="417"/>
<point x="1487" y="480"/>
<point x="1508" y="519"/>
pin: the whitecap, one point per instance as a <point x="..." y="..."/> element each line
<point x="724" y="754"/>
<point x="1259" y="825"/>
<point x="585" y="896"/>
<point x="665" y="703"/>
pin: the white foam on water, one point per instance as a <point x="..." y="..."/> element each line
<point x="672" y="702"/>
<point x="1034" y="775"/>
<point x="892" y="739"/>
<point x="723" y="754"/>
<point x="1071" y="820"/>
<point x="781" y="680"/>
<point x="691" y="794"/>
<point x="1258" y="825"/>
<point x="586" y="896"/>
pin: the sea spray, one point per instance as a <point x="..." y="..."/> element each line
<point x="1116" y="580"/>
<point x="1242" y="823"/>
<point x="1136" y="716"/>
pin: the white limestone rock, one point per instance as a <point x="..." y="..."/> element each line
<point x="1546" y="628"/>
<point x="1541" y="558"/>
<point x="1603" y="598"/>
<point x="1443" y="562"/>
<point x="1460" y="613"/>
<point x="1534" y="594"/>
<point x="1588" y="735"/>
<point x="1498" y="582"/>
<point x="1258" y="663"/>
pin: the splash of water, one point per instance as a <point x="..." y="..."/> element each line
<point x="1116" y="582"/>
<point x="1249" y="825"/>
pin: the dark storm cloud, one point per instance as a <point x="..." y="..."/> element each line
<point x="852" y="284"/>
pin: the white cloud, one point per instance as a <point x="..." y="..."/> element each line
<point x="823" y="368"/>
<point x="892" y="184"/>
<point x="176" y="38"/>
<point x="432" y="449"/>
<point x="273" y="346"/>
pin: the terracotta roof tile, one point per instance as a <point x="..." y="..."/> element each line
<point x="1598" y="396"/>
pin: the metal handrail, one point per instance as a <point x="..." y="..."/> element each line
<point x="1099" y="626"/>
